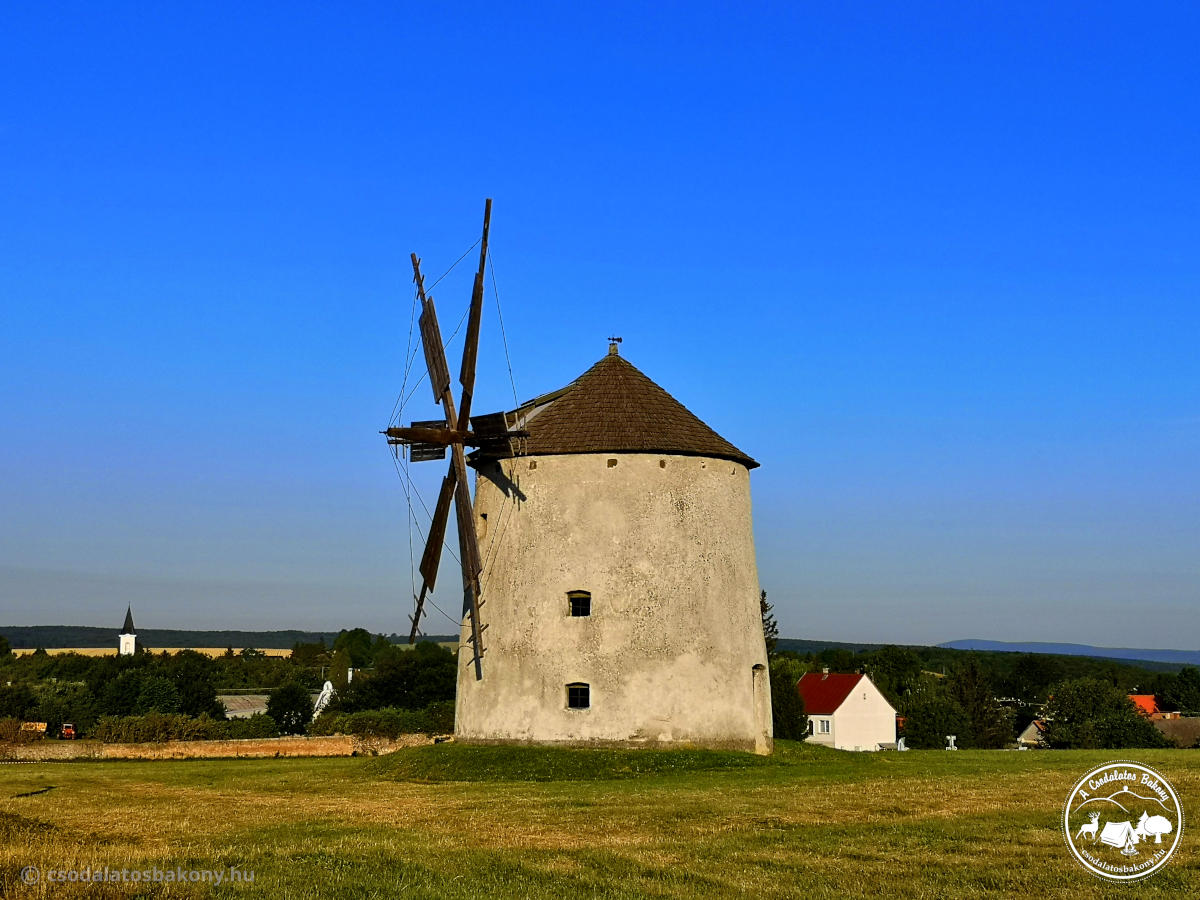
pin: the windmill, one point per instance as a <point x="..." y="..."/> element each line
<point x="623" y="602"/>
<point x="429" y="440"/>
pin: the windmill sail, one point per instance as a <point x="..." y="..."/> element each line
<point x="430" y="440"/>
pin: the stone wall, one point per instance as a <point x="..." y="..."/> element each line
<point x="331" y="745"/>
<point x="673" y="649"/>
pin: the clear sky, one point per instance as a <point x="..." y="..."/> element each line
<point x="934" y="266"/>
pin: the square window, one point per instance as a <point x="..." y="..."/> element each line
<point x="579" y="696"/>
<point x="580" y="603"/>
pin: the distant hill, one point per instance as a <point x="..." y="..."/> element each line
<point x="799" y="645"/>
<point x="1178" y="657"/>
<point x="30" y="637"/>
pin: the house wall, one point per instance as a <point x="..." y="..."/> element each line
<point x="127" y="644"/>
<point x="665" y="546"/>
<point x="864" y="720"/>
<point x="817" y="736"/>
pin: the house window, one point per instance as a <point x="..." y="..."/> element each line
<point x="580" y="603"/>
<point x="824" y="726"/>
<point x="810" y="726"/>
<point x="579" y="695"/>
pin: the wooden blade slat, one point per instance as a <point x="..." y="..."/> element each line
<point x="466" y="373"/>
<point x="437" y="529"/>
<point x="435" y="352"/>
<point x="416" y="616"/>
<point x="471" y="562"/>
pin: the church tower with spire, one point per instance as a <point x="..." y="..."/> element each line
<point x="128" y="636"/>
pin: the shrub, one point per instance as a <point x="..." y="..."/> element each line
<point x="437" y="718"/>
<point x="154" y="727"/>
<point x="259" y="725"/>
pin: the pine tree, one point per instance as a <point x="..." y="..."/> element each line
<point x="770" y="626"/>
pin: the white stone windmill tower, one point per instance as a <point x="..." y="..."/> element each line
<point x="610" y="589"/>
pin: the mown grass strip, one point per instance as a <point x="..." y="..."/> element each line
<point x="470" y="763"/>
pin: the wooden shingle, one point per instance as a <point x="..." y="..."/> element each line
<point x="613" y="407"/>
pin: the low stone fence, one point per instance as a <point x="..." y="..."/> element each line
<point x="329" y="745"/>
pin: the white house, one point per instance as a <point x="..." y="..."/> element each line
<point x="846" y="712"/>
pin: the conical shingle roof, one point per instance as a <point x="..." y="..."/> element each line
<point x="613" y="407"/>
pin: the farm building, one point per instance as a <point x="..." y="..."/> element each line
<point x="847" y="712"/>
<point x="1147" y="705"/>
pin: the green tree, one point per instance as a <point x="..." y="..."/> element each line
<point x="17" y="701"/>
<point x="357" y="644"/>
<point x="788" y="718"/>
<point x="157" y="694"/>
<point x="291" y="707"/>
<point x="989" y="725"/>
<point x="1031" y="676"/>
<point x="119" y="696"/>
<point x="1181" y="692"/>
<point x="770" y="626"/>
<point x="194" y="676"/>
<point x="60" y="703"/>
<point x="338" y="668"/>
<point x="5" y="647"/>
<point x="310" y="655"/>
<point x="931" y="715"/>
<point x="896" y="671"/>
<point x="410" y="679"/>
<point x="1086" y="713"/>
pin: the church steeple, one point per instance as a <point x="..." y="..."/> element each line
<point x="127" y="639"/>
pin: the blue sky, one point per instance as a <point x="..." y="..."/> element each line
<point x="933" y="266"/>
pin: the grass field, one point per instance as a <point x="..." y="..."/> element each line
<point x="449" y="821"/>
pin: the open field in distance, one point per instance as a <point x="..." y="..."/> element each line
<point x="112" y="651"/>
<point x="809" y="822"/>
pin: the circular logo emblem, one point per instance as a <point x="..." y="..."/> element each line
<point x="1122" y="821"/>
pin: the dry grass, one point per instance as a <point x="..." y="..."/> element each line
<point x="817" y="824"/>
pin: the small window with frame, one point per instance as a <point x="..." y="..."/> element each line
<point x="579" y="603"/>
<point x="579" y="695"/>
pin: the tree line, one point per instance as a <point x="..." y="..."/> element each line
<point x="169" y="696"/>
<point x="986" y="699"/>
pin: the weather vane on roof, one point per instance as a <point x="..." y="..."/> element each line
<point x="612" y="344"/>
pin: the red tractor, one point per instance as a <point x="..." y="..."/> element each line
<point x="68" y="732"/>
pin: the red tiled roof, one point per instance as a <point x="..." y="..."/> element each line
<point x="613" y="407"/>
<point x="1145" y="703"/>
<point x="823" y="693"/>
